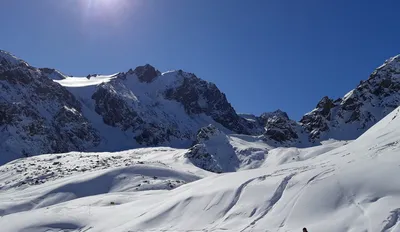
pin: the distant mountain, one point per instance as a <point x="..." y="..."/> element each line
<point x="348" y="117"/>
<point x="341" y="119"/>
<point x="43" y="110"/>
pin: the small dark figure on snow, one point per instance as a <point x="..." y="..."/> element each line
<point x="305" y="230"/>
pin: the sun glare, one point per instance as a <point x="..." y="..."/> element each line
<point x="107" y="11"/>
<point x="102" y="3"/>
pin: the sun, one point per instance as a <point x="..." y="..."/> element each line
<point x="106" y="8"/>
<point x="102" y="3"/>
<point x="106" y="12"/>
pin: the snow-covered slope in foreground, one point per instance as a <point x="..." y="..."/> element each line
<point x="354" y="188"/>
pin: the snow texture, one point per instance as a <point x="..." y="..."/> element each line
<point x="334" y="187"/>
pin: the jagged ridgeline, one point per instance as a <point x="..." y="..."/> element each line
<point x="43" y="110"/>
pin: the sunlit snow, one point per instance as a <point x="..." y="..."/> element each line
<point x="84" y="81"/>
<point x="335" y="187"/>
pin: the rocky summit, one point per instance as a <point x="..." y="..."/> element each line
<point x="359" y="109"/>
<point x="43" y="110"/>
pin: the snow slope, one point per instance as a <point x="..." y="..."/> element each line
<point x="49" y="179"/>
<point x="335" y="187"/>
<point x="85" y="81"/>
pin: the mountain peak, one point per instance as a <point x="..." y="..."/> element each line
<point x="388" y="70"/>
<point x="8" y="59"/>
<point x="169" y="108"/>
<point x="325" y="105"/>
<point x="52" y="73"/>
<point x="276" y="113"/>
<point x="146" y="73"/>
<point x="392" y="60"/>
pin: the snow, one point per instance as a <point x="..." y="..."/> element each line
<point x="338" y="186"/>
<point x="248" y="117"/>
<point x="279" y="156"/>
<point x="146" y="99"/>
<point x="348" y="95"/>
<point x="52" y="179"/>
<point x="83" y="81"/>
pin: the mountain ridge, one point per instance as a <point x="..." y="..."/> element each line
<point x="144" y="107"/>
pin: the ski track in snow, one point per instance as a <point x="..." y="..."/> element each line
<point x="274" y="199"/>
<point x="238" y="194"/>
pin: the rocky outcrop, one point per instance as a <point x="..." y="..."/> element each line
<point x="212" y="151"/>
<point x="200" y="157"/>
<point x="52" y="73"/>
<point x="202" y="97"/>
<point x="207" y="133"/>
<point x="38" y="115"/>
<point x="319" y="118"/>
<point x="362" y="107"/>
<point x="278" y="127"/>
<point x="75" y="130"/>
<point x="115" y="108"/>
<point x="146" y="73"/>
<point x="120" y="107"/>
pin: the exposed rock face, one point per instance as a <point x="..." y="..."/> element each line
<point x="318" y="120"/>
<point x="115" y="109"/>
<point x="207" y="133"/>
<point x="142" y="101"/>
<point x="199" y="96"/>
<point x="148" y="121"/>
<point x="146" y="73"/>
<point x="52" y="73"/>
<point x="265" y="117"/>
<point x="212" y="151"/>
<point x="38" y="115"/>
<point x="350" y="116"/>
<point x="199" y="156"/>
<point x="279" y="127"/>
<point x="75" y="131"/>
<point x="326" y="104"/>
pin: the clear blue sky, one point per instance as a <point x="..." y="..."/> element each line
<point x="263" y="54"/>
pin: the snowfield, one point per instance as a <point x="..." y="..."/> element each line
<point x="338" y="186"/>
<point x="85" y="81"/>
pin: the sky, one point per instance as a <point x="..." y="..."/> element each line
<point x="264" y="55"/>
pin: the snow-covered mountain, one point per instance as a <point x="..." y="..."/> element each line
<point x="38" y="115"/>
<point x="341" y="119"/>
<point x="141" y="107"/>
<point x="334" y="187"/>
<point x="197" y="164"/>
<point x="43" y="110"/>
<point x="359" y="109"/>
